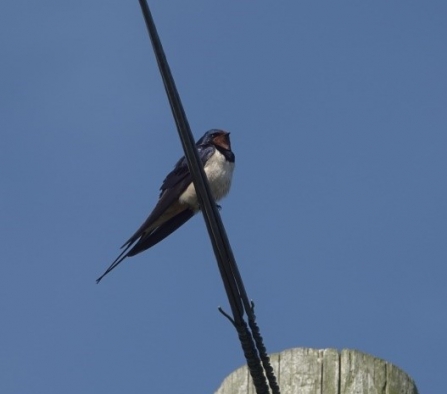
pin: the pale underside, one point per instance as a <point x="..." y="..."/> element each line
<point x="219" y="172"/>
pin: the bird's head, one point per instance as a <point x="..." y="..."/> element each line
<point x="216" y="137"/>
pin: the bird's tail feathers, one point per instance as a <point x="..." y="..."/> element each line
<point x="117" y="261"/>
<point x="150" y="238"/>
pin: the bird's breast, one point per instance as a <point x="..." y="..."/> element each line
<point x="219" y="172"/>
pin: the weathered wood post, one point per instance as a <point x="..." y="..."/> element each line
<point x="327" y="371"/>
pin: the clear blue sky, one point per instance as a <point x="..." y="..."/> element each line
<point x="337" y="215"/>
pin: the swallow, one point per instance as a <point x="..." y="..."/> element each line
<point x="178" y="201"/>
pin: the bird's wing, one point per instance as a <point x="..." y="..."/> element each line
<point x="160" y="233"/>
<point x="167" y="206"/>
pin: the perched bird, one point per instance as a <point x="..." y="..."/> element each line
<point x="178" y="200"/>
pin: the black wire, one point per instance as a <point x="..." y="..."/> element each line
<point x="200" y="183"/>
<point x="252" y="343"/>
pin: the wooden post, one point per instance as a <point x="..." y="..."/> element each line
<point x="327" y="371"/>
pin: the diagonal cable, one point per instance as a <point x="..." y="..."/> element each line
<point x="198" y="175"/>
<point x="251" y="341"/>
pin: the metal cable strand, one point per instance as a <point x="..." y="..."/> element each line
<point x="209" y="210"/>
<point x="226" y="273"/>
<point x="256" y="371"/>
<point x="234" y="286"/>
<point x="256" y="333"/>
<point x="263" y="354"/>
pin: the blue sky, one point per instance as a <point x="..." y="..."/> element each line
<point x="337" y="215"/>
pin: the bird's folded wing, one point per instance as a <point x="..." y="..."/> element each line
<point x="173" y="186"/>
